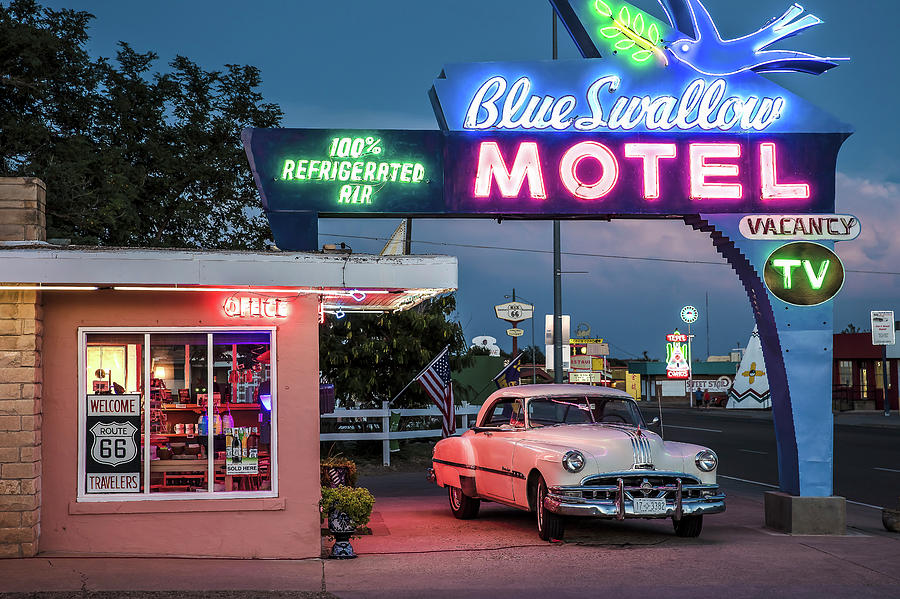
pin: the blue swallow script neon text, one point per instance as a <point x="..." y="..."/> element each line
<point x="703" y="105"/>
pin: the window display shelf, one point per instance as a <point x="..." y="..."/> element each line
<point x="187" y="406"/>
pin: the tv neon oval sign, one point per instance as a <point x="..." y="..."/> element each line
<point x="803" y="273"/>
<point x="255" y="307"/>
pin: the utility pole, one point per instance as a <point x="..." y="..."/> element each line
<point x="557" y="281"/>
<point x="515" y="351"/>
<point x="407" y="241"/>
<point x="708" y="352"/>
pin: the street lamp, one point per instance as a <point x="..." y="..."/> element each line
<point x="533" y="365"/>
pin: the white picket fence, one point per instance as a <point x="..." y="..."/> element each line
<point x="385" y="435"/>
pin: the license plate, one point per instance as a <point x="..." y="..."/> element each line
<point x="644" y="505"/>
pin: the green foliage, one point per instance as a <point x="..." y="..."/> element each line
<point x="356" y="502"/>
<point x="370" y="357"/>
<point x="130" y="156"/>
<point x="539" y="356"/>
<point x="337" y="462"/>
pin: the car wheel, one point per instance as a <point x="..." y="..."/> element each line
<point x="462" y="506"/>
<point x="551" y="527"/>
<point x="688" y="526"/>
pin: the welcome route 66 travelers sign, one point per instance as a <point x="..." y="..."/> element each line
<point x="112" y="459"/>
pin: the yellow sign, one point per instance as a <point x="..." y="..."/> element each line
<point x="633" y="385"/>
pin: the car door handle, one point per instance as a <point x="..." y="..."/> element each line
<point x="505" y="469"/>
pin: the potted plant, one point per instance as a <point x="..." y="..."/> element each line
<point x="337" y="471"/>
<point x="346" y="508"/>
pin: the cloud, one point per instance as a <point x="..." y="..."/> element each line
<point x="875" y="203"/>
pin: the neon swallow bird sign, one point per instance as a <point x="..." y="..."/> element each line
<point x="617" y="28"/>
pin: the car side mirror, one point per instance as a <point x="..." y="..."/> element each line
<point x="655" y="421"/>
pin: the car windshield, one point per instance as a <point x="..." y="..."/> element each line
<point x="548" y="411"/>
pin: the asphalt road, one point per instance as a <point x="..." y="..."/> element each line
<point x="866" y="459"/>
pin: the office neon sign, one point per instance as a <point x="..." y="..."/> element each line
<point x="255" y="307"/>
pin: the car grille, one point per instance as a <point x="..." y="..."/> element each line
<point x="639" y="485"/>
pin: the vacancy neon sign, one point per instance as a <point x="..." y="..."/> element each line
<point x="592" y="170"/>
<point x="255" y="307"/>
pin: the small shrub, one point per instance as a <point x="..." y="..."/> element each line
<point x="355" y="502"/>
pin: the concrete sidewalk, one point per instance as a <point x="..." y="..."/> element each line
<point x="418" y="549"/>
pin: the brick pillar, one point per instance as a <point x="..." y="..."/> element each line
<point x="22" y="204"/>
<point x="23" y="207"/>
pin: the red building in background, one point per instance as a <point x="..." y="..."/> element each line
<point x="857" y="375"/>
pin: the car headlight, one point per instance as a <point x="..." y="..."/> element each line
<point x="706" y="460"/>
<point x="573" y="461"/>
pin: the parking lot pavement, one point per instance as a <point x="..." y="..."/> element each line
<point x="418" y="549"/>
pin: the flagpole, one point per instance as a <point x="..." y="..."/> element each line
<point x="415" y="378"/>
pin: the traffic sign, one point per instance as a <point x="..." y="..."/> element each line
<point x="514" y="311"/>
<point x="883" y="327"/>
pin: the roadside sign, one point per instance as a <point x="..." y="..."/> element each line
<point x="548" y="329"/>
<point x="514" y="311"/>
<point x="810" y="227"/>
<point x="581" y="362"/>
<point x="633" y="385"/>
<point x="883" y="327"/>
<point x="689" y="314"/>
<point x="515" y="332"/>
<point x="723" y="383"/>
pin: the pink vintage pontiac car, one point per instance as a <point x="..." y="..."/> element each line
<point x="574" y="450"/>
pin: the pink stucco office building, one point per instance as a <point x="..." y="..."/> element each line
<point x="166" y="402"/>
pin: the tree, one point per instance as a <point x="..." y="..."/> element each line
<point x="370" y="357"/>
<point x="129" y="156"/>
<point x="539" y="357"/>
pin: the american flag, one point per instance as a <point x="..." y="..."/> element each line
<point x="436" y="381"/>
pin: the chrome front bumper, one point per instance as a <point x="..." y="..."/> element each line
<point x="617" y="501"/>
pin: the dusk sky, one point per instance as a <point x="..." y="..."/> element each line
<point x="356" y="64"/>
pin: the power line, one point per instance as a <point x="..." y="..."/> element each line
<point x="582" y="254"/>
<point x="531" y="250"/>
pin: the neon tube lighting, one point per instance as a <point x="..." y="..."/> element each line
<point x="324" y="292"/>
<point x="46" y="288"/>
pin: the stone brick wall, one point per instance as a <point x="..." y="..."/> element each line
<point x="23" y="208"/>
<point x="22" y="218"/>
<point x="20" y="423"/>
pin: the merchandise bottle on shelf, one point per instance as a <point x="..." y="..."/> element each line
<point x="253" y="443"/>
<point x="228" y="435"/>
<point x="228" y="420"/>
<point x="217" y="424"/>
<point x="236" y="453"/>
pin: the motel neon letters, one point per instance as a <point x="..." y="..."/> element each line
<point x="713" y="168"/>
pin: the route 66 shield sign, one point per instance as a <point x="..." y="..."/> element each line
<point x="114" y="443"/>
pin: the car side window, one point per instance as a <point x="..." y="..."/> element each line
<point x="507" y="411"/>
